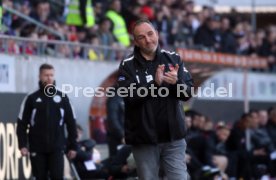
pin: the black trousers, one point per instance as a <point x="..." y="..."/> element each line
<point x="112" y="145"/>
<point x="45" y="165"/>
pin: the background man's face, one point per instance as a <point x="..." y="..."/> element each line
<point x="223" y="134"/>
<point x="263" y="117"/>
<point x="47" y="76"/>
<point x="146" y="38"/>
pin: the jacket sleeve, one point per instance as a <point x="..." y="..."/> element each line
<point x="23" y="121"/>
<point x="127" y="80"/>
<point x="83" y="156"/>
<point x="114" y="118"/>
<point x="70" y="121"/>
<point x="183" y="88"/>
<point x="120" y="159"/>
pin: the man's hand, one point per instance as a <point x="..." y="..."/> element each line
<point x="188" y="158"/>
<point x="24" y="151"/>
<point x="125" y="169"/>
<point x="123" y="141"/>
<point x="159" y="74"/>
<point x="259" y="152"/>
<point x="72" y="154"/>
<point x="171" y="77"/>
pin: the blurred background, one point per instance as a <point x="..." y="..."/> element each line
<point x="223" y="43"/>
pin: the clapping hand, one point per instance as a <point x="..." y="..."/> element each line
<point x="171" y="76"/>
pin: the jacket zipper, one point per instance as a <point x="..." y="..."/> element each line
<point x="48" y="124"/>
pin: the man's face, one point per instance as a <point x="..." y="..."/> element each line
<point x="199" y="122"/>
<point x="263" y="117"/>
<point x="43" y="11"/>
<point x="47" y="76"/>
<point x="79" y="134"/>
<point x="223" y="134"/>
<point x="117" y="6"/>
<point x="225" y="24"/>
<point x="146" y="38"/>
<point x="255" y="120"/>
<point x="273" y="116"/>
<point x="188" y="121"/>
<point x="105" y="26"/>
<point x="214" y="25"/>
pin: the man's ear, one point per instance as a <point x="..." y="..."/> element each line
<point x="157" y="33"/>
<point x="135" y="42"/>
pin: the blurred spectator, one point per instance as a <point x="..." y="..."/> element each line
<point x="208" y="127"/>
<point x="193" y="20"/>
<point x="260" y="147"/>
<point x="228" y="41"/>
<point x="188" y="120"/>
<point x="89" y="165"/>
<point x="193" y="164"/>
<point x="208" y="35"/>
<point x="271" y="130"/>
<point x="41" y="12"/>
<point x="184" y="33"/>
<point x="237" y="146"/>
<point x="271" y="126"/>
<point x="268" y="47"/>
<point x="63" y="51"/>
<point x="147" y="12"/>
<point x="263" y="118"/>
<point x="254" y="45"/>
<point x="95" y="53"/>
<point x="80" y="13"/>
<point x="242" y="45"/>
<point x="260" y="36"/>
<point x="119" y="25"/>
<point x="77" y="51"/>
<point x="115" y="123"/>
<point x="106" y="38"/>
<point x="122" y="165"/>
<point x="217" y="152"/>
<point x="86" y="162"/>
<point x="205" y="14"/>
<point x="98" y="12"/>
<point x="163" y="23"/>
<point x="7" y="16"/>
<point x="81" y="35"/>
<point x="208" y="124"/>
<point x="13" y="47"/>
<point x="1" y="15"/>
<point x="131" y="13"/>
<point x="189" y="6"/>
<point x="196" y="144"/>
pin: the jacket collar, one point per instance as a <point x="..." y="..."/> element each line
<point x="141" y="60"/>
<point x="42" y="86"/>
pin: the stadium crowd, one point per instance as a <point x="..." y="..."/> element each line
<point x="179" y="26"/>
<point x="243" y="149"/>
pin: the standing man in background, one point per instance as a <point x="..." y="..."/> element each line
<point x="115" y="123"/>
<point x="40" y="127"/>
<point x="119" y="25"/>
<point x="80" y="13"/>
<point x="154" y="125"/>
